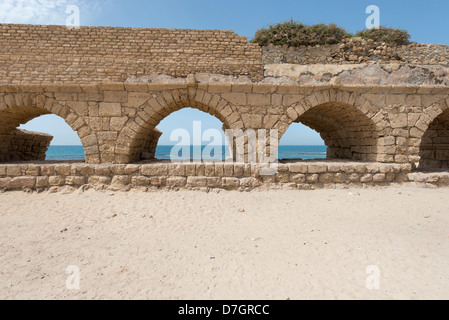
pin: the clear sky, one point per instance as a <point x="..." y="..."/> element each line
<point x="426" y="21"/>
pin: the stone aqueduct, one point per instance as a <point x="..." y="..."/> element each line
<point x="107" y="84"/>
<point x="116" y="122"/>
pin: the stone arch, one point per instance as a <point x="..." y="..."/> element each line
<point x="349" y="131"/>
<point x="20" y="108"/>
<point x="432" y="128"/>
<point x="138" y="139"/>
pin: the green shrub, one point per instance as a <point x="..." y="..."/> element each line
<point x="294" y="34"/>
<point x="388" y="35"/>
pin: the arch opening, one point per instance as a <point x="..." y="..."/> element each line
<point x="65" y="145"/>
<point x="346" y="131"/>
<point x="301" y="142"/>
<point x="202" y="129"/>
<point x="434" y="148"/>
<point x="33" y="134"/>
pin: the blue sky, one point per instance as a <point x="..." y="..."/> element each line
<point x="425" y="21"/>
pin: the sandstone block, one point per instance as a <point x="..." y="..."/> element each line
<point x="339" y="178"/>
<point x="154" y="170"/>
<point x="326" y="178"/>
<point x="354" y="177"/>
<point x="317" y="168"/>
<point x="231" y="182"/>
<point x="120" y="181"/>
<point x="214" y="182"/>
<point x="48" y="170"/>
<point x="176" y="182"/>
<point x="283" y="177"/>
<point x="132" y="168"/>
<point x="197" y="181"/>
<point x="99" y="180"/>
<point x="141" y="181"/>
<point x="13" y="171"/>
<point x="298" y="178"/>
<point x="21" y="183"/>
<point x="312" y="178"/>
<point x="380" y="177"/>
<point x="366" y="178"/>
<point x="250" y="182"/>
<point x="42" y="182"/>
<point x="56" y="180"/>
<point x="110" y="109"/>
<point x="4" y="182"/>
<point x="298" y="168"/>
<point x="75" y="180"/>
<point x="63" y="169"/>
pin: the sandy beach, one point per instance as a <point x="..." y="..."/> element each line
<point x="227" y="245"/>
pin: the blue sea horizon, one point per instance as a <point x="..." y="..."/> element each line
<point x="76" y="153"/>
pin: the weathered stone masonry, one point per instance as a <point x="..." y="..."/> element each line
<point x="200" y="176"/>
<point x="116" y="122"/>
<point x="113" y="86"/>
<point x="27" y="145"/>
<point x="55" y="54"/>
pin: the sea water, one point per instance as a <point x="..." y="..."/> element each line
<point x="68" y="153"/>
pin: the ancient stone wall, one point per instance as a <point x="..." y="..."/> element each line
<point x="149" y="148"/>
<point x="200" y="176"/>
<point x="55" y="54"/>
<point x="356" y="50"/>
<point x="112" y="87"/>
<point x="116" y="122"/>
<point x="434" y="150"/>
<point x="26" y="145"/>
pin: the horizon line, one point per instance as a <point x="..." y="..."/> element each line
<point x="204" y="145"/>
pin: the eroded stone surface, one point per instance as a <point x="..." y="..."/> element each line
<point x="390" y="109"/>
<point x="355" y="74"/>
<point x="358" y="122"/>
<point x="316" y="174"/>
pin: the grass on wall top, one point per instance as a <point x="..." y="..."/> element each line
<point x="295" y="34"/>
